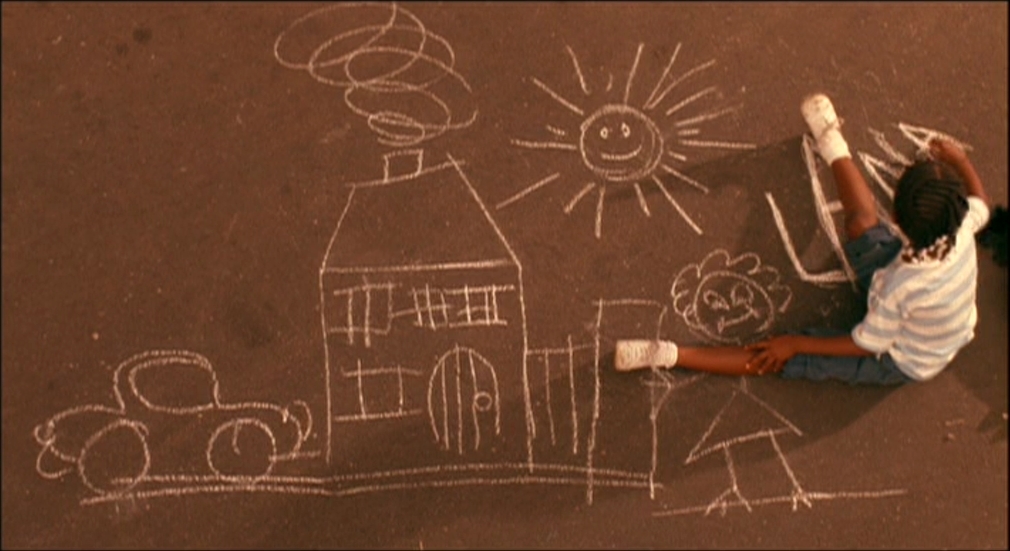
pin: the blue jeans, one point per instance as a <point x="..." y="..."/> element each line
<point x="876" y="248"/>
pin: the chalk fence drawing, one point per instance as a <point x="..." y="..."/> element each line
<point x="623" y="144"/>
<point x="883" y="172"/>
<point x="395" y="73"/>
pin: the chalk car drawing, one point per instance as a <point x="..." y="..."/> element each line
<point x="167" y="400"/>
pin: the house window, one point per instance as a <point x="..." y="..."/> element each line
<point x="466" y="306"/>
<point x="363" y="310"/>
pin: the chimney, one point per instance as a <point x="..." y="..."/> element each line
<point x="399" y="164"/>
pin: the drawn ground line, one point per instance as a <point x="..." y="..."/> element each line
<point x="303" y="490"/>
<point x="815" y="496"/>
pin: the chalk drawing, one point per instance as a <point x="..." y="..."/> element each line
<point x="768" y="425"/>
<point x="753" y="420"/>
<point x="217" y="428"/>
<point x="729" y="300"/>
<point x="439" y="288"/>
<point x="883" y="172"/>
<point x="622" y="144"/>
<point x="395" y="73"/>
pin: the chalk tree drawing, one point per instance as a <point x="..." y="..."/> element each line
<point x="729" y="300"/>
<point x="769" y="423"/>
<point x="621" y="144"/>
<point x="108" y="446"/>
<point x="883" y="172"/>
<point x="395" y="73"/>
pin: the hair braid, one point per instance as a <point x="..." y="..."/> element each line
<point x="929" y="203"/>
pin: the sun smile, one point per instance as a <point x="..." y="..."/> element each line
<point x="621" y="157"/>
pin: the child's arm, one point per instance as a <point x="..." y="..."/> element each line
<point x="771" y="354"/>
<point x="950" y="153"/>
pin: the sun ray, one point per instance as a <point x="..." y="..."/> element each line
<point x="578" y="196"/>
<point x="706" y="116"/>
<point x="631" y="74"/>
<point x="578" y="70"/>
<point x="599" y="211"/>
<point x="718" y="144"/>
<point x="545" y="145"/>
<point x="641" y="199"/>
<point x="610" y="82"/>
<point x="679" y="156"/>
<point x="673" y="84"/>
<point x="673" y="202"/>
<point x="666" y="72"/>
<point x="556" y="131"/>
<point x="693" y="97"/>
<point x="685" y="178"/>
<point x="689" y="132"/>
<point x="528" y="190"/>
<point x="558" y="97"/>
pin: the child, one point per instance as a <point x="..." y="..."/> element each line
<point x="920" y="285"/>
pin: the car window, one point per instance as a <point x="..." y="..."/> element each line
<point x="177" y="386"/>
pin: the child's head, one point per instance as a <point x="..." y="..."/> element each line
<point x="929" y="203"/>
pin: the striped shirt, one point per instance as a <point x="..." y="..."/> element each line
<point x="923" y="313"/>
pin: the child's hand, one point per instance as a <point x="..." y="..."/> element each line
<point x="947" y="151"/>
<point x="770" y="355"/>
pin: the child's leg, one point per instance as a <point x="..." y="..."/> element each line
<point x="858" y="202"/>
<point x="639" y="354"/>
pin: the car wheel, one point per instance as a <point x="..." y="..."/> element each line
<point x="116" y="458"/>
<point x="242" y="451"/>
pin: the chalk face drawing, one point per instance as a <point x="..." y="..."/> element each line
<point x="729" y="300"/>
<point x="395" y="73"/>
<point x="883" y="172"/>
<point x="108" y="445"/>
<point x="623" y="144"/>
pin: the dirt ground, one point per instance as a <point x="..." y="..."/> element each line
<point x="351" y="278"/>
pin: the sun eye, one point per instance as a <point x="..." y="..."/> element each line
<point x="625" y="129"/>
<point x="604" y="132"/>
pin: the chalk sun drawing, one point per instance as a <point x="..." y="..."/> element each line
<point x="622" y="144"/>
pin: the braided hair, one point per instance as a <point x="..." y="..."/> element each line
<point x="929" y="205"/>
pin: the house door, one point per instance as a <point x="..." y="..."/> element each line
<point x="463" y="401"/>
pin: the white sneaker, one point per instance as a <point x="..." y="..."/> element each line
<point x="639" y="353"/>
<point x="824" y="124"/>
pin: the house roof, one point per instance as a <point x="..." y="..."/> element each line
<point x="421" y="218"/>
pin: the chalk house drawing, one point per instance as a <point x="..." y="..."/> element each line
<point x="883" y="172"/>
<point x="623" y="144"/>
<point x="457" y="291"/>
<point x="395" y="73"/>
<point x="107" y="446"/>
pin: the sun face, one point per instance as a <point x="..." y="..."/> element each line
<point x="620" y="144"/>
<point x="624" y="145"/>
